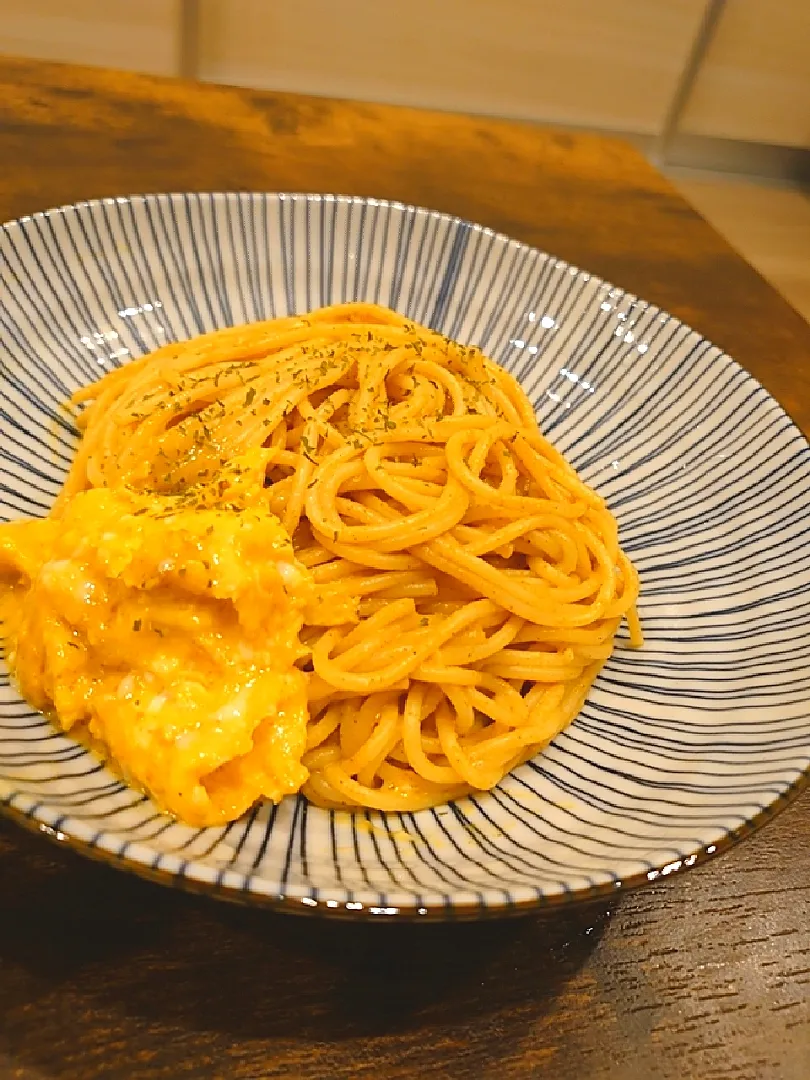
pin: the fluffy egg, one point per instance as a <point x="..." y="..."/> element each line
<point x="165" y="628"/>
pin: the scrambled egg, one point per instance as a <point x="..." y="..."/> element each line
<point x="165" y="627"/>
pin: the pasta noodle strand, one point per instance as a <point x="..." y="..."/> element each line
<point x="469" y="584"/>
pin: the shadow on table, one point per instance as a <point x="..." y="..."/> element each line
<point x="122" y="954"/>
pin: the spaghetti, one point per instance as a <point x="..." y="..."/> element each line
<point x="469" y="584"/>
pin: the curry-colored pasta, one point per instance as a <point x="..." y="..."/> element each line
<point x="469" y="584"/>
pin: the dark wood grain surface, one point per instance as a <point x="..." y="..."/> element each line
<point x="706" y="975"/>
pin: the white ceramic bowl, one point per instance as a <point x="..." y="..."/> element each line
<point x="679" y="749"/>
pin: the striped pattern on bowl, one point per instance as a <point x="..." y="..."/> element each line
<point x="680" y="747"/>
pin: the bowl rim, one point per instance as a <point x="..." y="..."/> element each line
<point x="355" y="911"/>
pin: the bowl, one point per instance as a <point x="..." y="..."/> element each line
<point x="680" y="748"/>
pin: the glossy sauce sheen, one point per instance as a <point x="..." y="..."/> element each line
<point x="166" y="629"/>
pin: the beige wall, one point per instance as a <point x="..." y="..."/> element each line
<point x="138" y="35"/>
<point x="755" y="81"/>
<point x="580" y="61"/>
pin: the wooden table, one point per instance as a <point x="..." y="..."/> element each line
<point x="706" y="975"/>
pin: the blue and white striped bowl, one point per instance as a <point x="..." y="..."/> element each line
<point x="680" y="748"/>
